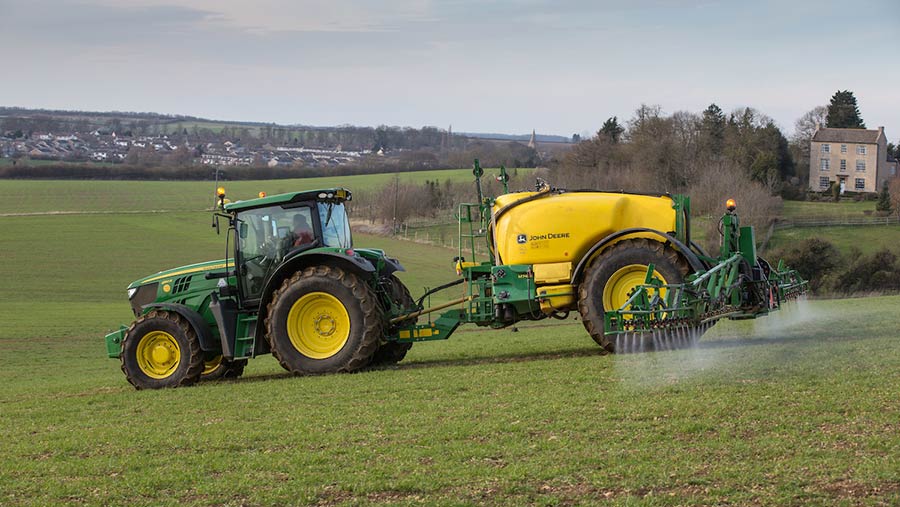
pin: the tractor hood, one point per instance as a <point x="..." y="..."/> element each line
<point x="168" y="275"/>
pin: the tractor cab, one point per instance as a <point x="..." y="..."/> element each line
<point x="272" y="230"/>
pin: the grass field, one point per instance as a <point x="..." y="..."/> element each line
<point x="841" y="209"/>
<point x="29" y="196"/>
<point x="867" y="239"/>
<point x="796" y="409"/>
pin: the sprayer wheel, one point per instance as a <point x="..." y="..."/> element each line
<point x="616" y="272"/>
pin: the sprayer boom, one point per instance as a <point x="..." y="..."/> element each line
<point x="665" y="313"/>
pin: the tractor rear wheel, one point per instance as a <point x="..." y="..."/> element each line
<point x="611" y="278"/>
<point x="393" y="352"/>
<point x="323" y="320"/>
<point x="159" y="350"/>
<point x="218" y="367"/>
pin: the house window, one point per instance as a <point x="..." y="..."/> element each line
<point x="860" y="165"/>
<point x="824" y="164"/>
<point x="860" y="150"/>
<point x="860" y="184"/>
<point x="843" y="164"/>
<point x="826" y="149"/>
<point x="843" y="148"/>
<point x="823" y="182"/>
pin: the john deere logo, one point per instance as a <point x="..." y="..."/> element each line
<point x="521" y="239"/>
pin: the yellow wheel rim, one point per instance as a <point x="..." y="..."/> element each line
<point x="158" y="354"/>
<point x="318" y="325"/>
<point x="211" y="365"/>
<point x="619" y="286"/>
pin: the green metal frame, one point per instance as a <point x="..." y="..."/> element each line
<point x="736" y="286"/>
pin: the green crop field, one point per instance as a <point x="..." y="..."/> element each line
<point x="799" y="408"/>
<point x="35" y="196"/>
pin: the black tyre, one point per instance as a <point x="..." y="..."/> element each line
<point x="614" y="275"/>
<point x="218" y="368"/>
<point x="323" y="320"/>
<point x="393" y="352"/>
<point x="160" y="350"/>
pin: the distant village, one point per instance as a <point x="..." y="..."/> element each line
<point x="103" y="145"/>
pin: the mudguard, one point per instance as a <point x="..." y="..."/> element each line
<point x="353" y="263"/>
<point x="694" y="261"/>
<point x="198" y="323"/>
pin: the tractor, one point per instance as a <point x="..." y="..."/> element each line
<point x="296" y="287"/>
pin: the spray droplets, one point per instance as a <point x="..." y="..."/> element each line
<point x="677" y="337"/>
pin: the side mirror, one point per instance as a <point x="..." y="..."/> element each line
<point x="243" y="230"/>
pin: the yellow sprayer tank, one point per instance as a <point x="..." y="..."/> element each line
<point x="563" y="227"/>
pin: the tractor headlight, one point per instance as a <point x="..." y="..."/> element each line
<point x="141" y="296"/>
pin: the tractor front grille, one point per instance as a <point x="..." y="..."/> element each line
<point x="145" y="295"/>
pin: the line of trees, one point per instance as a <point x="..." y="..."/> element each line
<point x="709" y="155"/>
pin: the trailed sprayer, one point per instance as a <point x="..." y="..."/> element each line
<point x="294" y="285"/>
<point x="625" y="262"/>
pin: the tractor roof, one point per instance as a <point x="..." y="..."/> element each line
<point x="337" y="194"/>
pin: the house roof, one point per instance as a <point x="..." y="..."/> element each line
<point x="858" y="136"/>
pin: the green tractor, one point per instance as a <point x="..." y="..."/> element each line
<point x="294" y="286"/>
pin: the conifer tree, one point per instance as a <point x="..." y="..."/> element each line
<point x="843" y="113"/>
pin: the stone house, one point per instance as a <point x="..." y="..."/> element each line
<point x="856" y="159"/>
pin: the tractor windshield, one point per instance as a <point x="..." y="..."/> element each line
<point x="335" y="225"/>
<point x="265" y="237"/>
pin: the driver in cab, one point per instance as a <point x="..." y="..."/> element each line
<point x="302" y="232"/>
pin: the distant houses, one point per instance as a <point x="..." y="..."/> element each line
<point x="102" y="145"/>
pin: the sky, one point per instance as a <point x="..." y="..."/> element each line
<point x="559" y="67"/>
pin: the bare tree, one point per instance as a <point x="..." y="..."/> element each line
<point x="806" y="125"/>
<point x="804" y="128"/>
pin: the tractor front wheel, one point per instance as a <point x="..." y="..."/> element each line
<point x="160" y="350"/>
<point x="323" y="320"/>
<point x="613" y="276"/>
